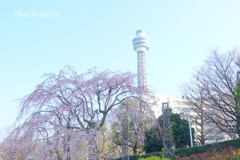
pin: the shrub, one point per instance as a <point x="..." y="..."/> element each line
<point x="159" y="154"/>
<point x="136" y="157"/>
<point x="187" y="152"/>
<point x="230" y="153"/>
<point x="153" y="158"/>
<point x="150" y="158"/>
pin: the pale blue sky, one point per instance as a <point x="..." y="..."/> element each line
<point x="99" y="33"/>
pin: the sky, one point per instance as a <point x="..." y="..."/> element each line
<point x="38" y="37"/>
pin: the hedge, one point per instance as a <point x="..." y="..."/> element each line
<point x="136" y="157"/>
<point x="187" y="152"/>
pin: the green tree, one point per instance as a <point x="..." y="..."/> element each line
<point x="180" y="130"/>
<point x="237" y="97"/>
<point x="153" y="141"/>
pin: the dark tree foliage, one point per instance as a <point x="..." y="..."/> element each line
<point x="237" y="95"/>
<point x="180" y="130"/>
<point x="153" y="141"/>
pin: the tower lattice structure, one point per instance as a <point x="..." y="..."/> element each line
<point x="141" y="45"/>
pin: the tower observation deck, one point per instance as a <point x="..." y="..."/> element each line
<point x="141" y="45"/>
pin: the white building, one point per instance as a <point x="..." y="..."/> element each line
<point x="178" y="103"/>
<point x="175" y="103"/>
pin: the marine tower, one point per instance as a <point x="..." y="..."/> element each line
<point x="141" y="45"/>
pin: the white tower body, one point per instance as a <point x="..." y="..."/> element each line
<point x="141" y="45"/>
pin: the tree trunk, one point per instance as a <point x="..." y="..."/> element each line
<point x="125" y="139"/>
<point x="67" y="148"/>
<point x="135" y="150"/>
<point x="91" y="150"/>
<point x="92" y="145"/>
